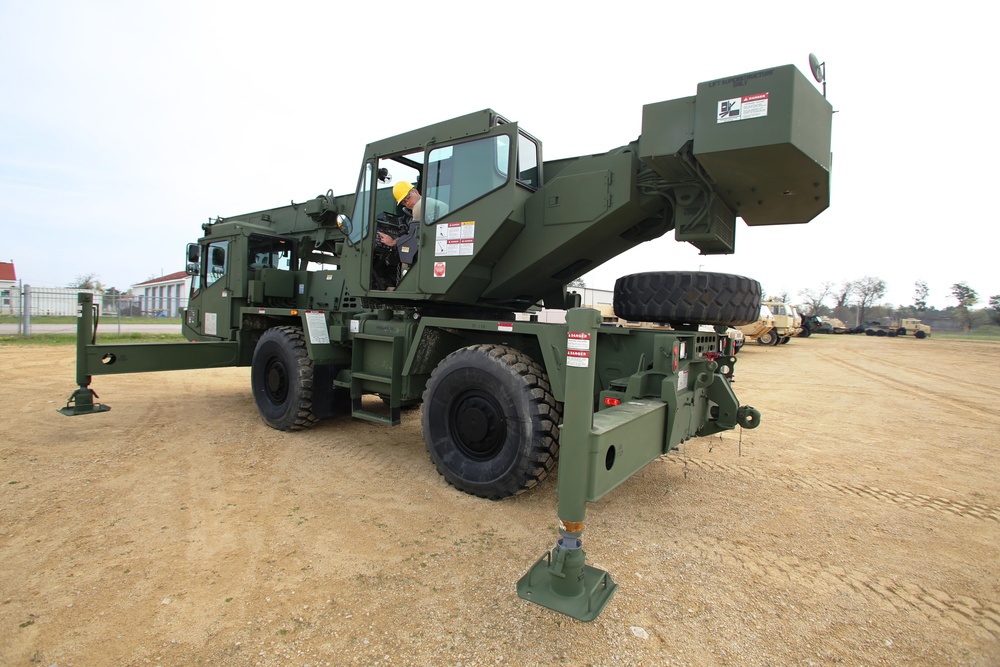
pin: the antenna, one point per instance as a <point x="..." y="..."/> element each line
<point x="818" y="70"/>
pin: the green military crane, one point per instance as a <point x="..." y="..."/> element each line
<point x="338" y="297"/>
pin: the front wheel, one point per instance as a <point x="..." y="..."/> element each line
<point x="281" y="377"/>
<point x="769" y="337"/>
<point x="490" y="421"/>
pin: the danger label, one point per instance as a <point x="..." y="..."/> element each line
<point x="578" y="340"/>
<point x="742" y="108"/>
<point x="455" y="239"/>
<point x="505" y="326"/>
<point x="578" y="358"/>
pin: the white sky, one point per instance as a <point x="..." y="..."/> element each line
<point x="125" y="125"/>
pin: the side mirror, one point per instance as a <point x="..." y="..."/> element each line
<point x="193" y="259"/>
<point x="344" y="225"/>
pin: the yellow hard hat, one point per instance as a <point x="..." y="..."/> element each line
<point x="400" y="190"/>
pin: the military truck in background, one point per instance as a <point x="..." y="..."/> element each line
<point x="334" y="318"/>
<point x="901" y="327"/>
<point x="762" y="326"/>
<point x="781" y="322"/>
<point x="910" y="325"/>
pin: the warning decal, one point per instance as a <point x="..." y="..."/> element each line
<point x="578" y="358"/>
<point x="454" y="239"/>
<point x="742" y="108"/>
<point x="578" y="349"/>
<point x="316" y="325"/>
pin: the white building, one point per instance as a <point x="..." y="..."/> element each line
<point x="8" y="287"/>
<point x="163" y="296"/>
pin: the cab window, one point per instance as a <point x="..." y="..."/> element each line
<point x="216" y="260"/>
<point x="362" y="207"/>
<point x="461" y="173"/>
<point x="269" y="252"/>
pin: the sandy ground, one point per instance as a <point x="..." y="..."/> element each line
<point x="859" y="525"/>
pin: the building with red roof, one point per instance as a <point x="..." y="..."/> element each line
<point x="165" y="295"/>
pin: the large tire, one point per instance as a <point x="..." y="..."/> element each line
<point x="491" y="424"/>
<point x="769" y="337"/>
<point x="784" y="339"/>
<point x="921" y="334"/>
<point x="281" y="377"/>
<point x="687" y="297"/>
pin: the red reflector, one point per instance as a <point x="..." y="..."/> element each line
<point x="612" y="401"/>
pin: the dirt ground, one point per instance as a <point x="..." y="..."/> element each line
<point x="858" y="525"/>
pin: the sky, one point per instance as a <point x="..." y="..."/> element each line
<point x="126" y="125"/>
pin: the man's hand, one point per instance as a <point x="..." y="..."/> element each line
<point x="386" y="239"/>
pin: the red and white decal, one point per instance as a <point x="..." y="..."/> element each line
<point x="578" y="358"/>
<point x="505" y="326"/>
<point x="439" y="269"/>
<point x="578" y="340"/>
<point x="742" y="108"/>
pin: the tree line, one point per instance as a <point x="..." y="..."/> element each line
<point x="859" y="301"/>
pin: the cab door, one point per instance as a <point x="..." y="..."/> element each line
<point x="215" y="296"/>
<point x="469" y="194"/>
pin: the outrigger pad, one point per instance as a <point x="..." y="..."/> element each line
<point x="592" y="593"/>
<point x="81" y="402"/>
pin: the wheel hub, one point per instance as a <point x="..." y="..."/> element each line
<point x="478" y="425"/>
<point x="276" y="381"/>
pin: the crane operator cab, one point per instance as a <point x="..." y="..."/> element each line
<point x="434" y="204"/>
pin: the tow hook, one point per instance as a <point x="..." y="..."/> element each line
<point x="748" y="417"/>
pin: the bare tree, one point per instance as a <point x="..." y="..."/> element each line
<point x="966" y="297"/>
<point x="843" y="293"/>
<point x="88" y="281"/>
<point x="814" y="298"/>
<point x="780" y="296"/>
<point x="869" y="291"/>
<point x="920" y="296"/>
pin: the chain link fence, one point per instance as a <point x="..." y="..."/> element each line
<point x="27" y="310"/>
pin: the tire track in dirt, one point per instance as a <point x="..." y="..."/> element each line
<point x="898" y="362"/>
<point x="955" y="611"/>
<point x="902" y="498"/>
<point x="986" y="406"/>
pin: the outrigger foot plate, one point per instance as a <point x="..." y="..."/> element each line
<point x="81" y="402"/>
<point x="574" y="589"/>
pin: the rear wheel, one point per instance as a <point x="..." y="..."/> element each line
<point x="281" y="377"/>
<point x="687" y="297"/>
<point x="490" y="421"/>
<point x="784" y="339"/>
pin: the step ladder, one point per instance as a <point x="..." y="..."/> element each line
<point x="377" y="363"/>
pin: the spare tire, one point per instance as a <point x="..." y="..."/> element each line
<point x="687" y="297"/>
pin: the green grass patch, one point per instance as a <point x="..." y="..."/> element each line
<point x="988" y="332"/>
<point x="57" y="339"/>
